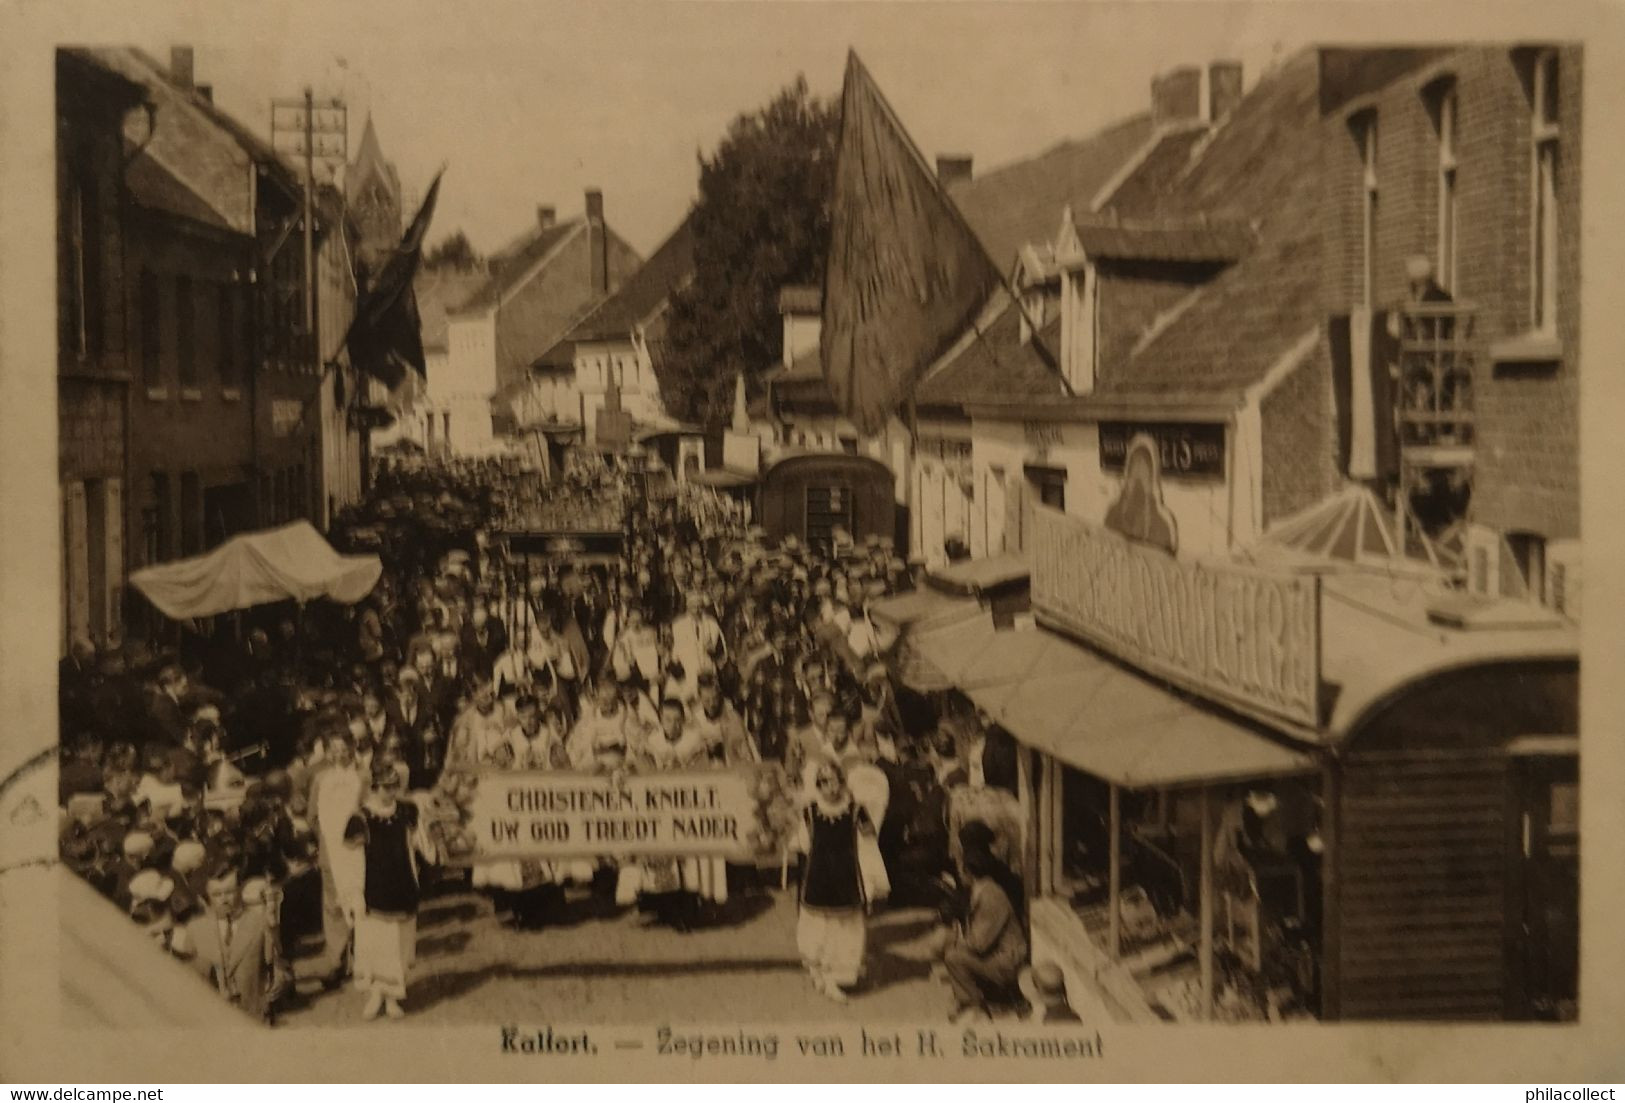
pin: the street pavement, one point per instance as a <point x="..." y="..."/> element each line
<point x="597" y="964"/>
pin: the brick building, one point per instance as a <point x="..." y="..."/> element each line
<point x="535" y="289"/>
<point x="93" y="381"/>
<point x="1471" y="158"/>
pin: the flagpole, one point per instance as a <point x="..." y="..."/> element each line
<point x="853" y="61"/>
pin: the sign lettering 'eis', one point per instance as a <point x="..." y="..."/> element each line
<point x="1244" y="636"/>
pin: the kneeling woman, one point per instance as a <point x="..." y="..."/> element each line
<point x="832" y="931"/>
<point x="386" y="928"/>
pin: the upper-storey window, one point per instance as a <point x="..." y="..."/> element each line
<point x="1445" y="114"/>
<point x="1365" y="132"/>
<point x="1545" y="138"/>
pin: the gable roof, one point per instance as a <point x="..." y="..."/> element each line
<point x="1019" y="203"/>
<point x="440" y="291"/>
<point x="994" y="364"/>
<point x="509" y="269"/>
<point x="645" y="293"/>
<point x="1263" y="166"/>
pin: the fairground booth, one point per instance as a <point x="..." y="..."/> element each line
<point x="1256" y="789"/>
<point x="810" y="495"/>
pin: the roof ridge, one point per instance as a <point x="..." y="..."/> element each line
<point x="501" y="282"/>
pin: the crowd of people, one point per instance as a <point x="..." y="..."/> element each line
<point x="252" y="786"/>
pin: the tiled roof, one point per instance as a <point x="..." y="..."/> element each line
<point x="1261" y="165"/>
<point x="800" y="300"/>
<point x="509" y="268"/>
<point x="155" y="187"/>
<point x="1157" y="169"/>
<point x="994" y="364"/>
<point x="439" y="292"/>
<point x="991" y="365"/>
<point x="1238" y="169"/>
<point x="1184" y="242"/>
<point x="645" y="293"/>
<point x="1021" y="204"/>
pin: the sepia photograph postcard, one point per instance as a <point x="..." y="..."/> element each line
<point x="797" y="541"/>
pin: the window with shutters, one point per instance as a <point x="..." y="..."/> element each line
<point x="147" y="307"/>
<point x="191" y="514"/>
<point x="185" y="332"/>
<point x="164" y="542"/>
<point x="227" y="334"/>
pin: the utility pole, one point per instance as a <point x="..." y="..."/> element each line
<point x="310" y="221"/>
<point x="316" y="130"/>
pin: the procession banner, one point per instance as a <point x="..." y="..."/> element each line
<point x="740" y="814"/>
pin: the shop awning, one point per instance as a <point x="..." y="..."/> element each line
<point x="923" y="609"/>
<point x="288" y="563"/>
<point x="722" y="478"/>
<point x="1097" y="716"/>
<point x="972" y="575"/>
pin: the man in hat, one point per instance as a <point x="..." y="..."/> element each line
<point x="230" y="944"/>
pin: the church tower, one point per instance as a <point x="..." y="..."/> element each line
<point x="372" y="188"/>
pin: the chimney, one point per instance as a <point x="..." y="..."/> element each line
<point x="1176" y="96"/>
<point x="953" y="168"/>
<point x="180" y="66"/>
<point x="598" y="235"/>
<point x="1224" y="88"/>
<point x="546" y="216"/>
<point x="207" y="92"/>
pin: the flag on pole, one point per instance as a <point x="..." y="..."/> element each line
<point x="905" y="274"/>
<point x="386" y="337"/>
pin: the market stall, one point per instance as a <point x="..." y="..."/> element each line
<point x="1264" y="792"/>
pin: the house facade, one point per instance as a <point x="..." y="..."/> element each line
<point x="93" y="378"/>
<point x="535" y="290"/>
<point x="1471" y="159"/>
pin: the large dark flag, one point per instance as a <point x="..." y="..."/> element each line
<point x="386" y="335"/>
<point x="905" y="274"/>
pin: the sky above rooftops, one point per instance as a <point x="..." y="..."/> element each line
<point x="532" y="103"/>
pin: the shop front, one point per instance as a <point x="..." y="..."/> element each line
<point x="1259" y="794"/>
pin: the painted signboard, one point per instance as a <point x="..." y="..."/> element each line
<point x="1239" y="635"/>
<point x="740" y="814"/>
<point x="1187" y="449"/>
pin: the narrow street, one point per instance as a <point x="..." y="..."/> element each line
<point x="590" y="967"/>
